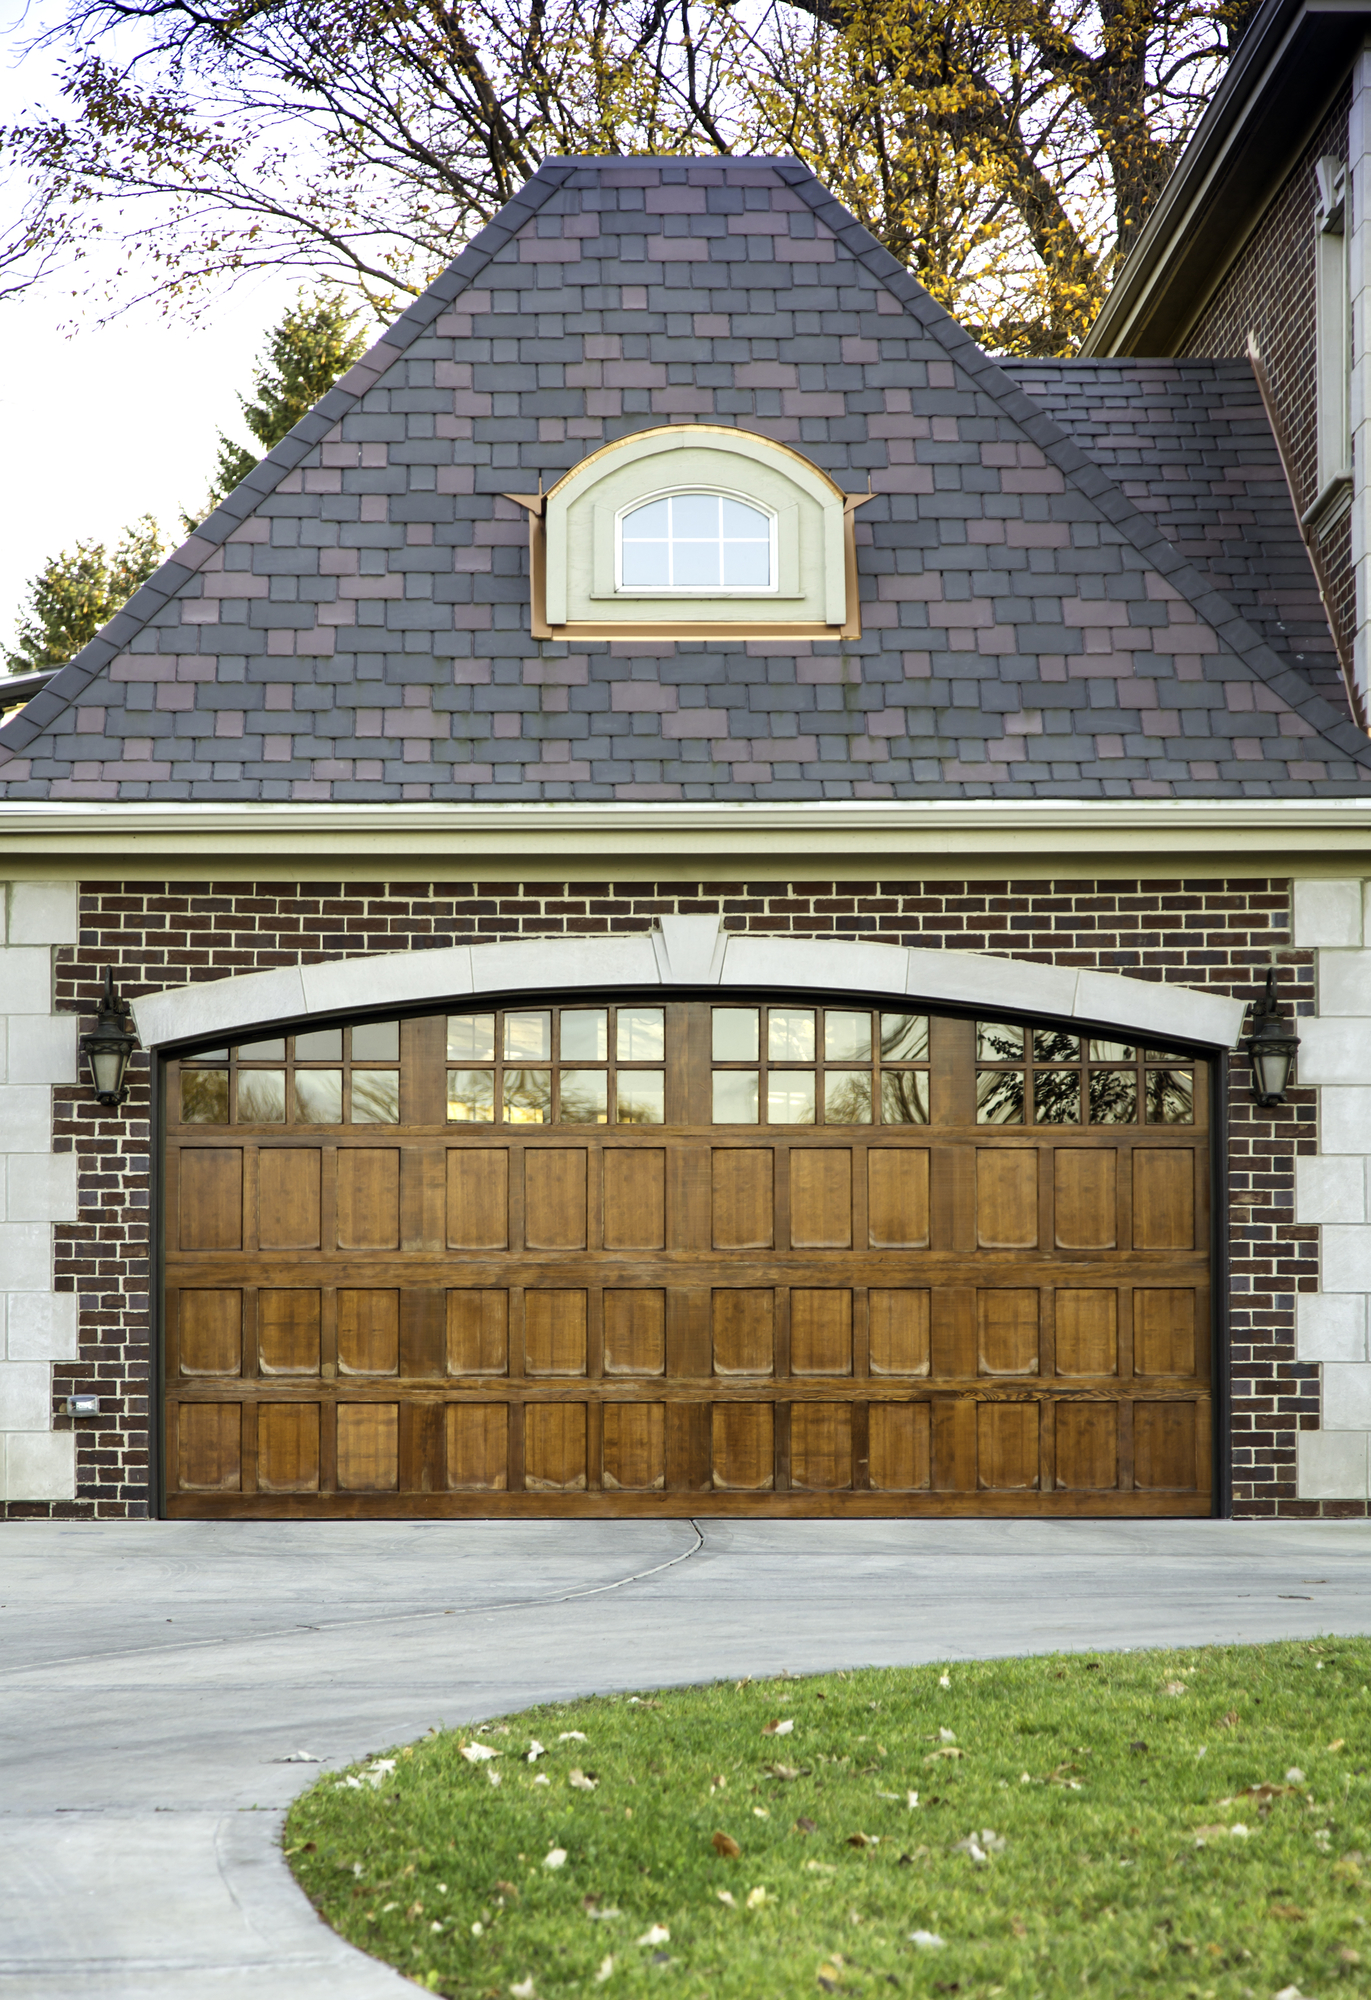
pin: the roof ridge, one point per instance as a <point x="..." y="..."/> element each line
<point x="1082" y="471"/>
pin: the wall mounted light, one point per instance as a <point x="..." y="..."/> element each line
<point x="83" y="1405"/>
<point x="109" y="1045"/>
<point x="1271" y="1045"/>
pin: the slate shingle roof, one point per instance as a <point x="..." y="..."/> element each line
<point x="352" y="624"/>
<point x="1190" y="444"/>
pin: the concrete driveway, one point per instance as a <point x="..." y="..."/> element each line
<point x="154" y="1675"/>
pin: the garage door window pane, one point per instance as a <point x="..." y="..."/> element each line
<point x="204" y="1097"/>
<point x="318" y="1097"/>
<point x="471" y="1096"/>
<point x="790" y="1034"/>
<point x="847" y="1037"/>
<point x="261" y="1096"/>
<point x="735" y="1034"/>
<point x="641" y="1097"/>
<point x="847" y="1097"/>
<point x="585" y="1034"/>
<point x="789" y="1099"/>
<point x="585" y="1097"/>
<point x="904" y="1097"/>
<point x="471" y="1037"/>
<point x="735" y="1097"/>
<point x="528" y="1037"/>
<point x="376" y="1097"/>
<point x="527" y="1096"/>
<point x="641" y="1034"/>
<point x="320" y="1045"/>
<point x="376" y="1041"/>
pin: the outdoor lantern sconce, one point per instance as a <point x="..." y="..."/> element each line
<point x="1271" y="1045"/>
<point x="109" y="1046"/>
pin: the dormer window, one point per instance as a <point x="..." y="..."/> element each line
<point x="700" y="542"/>
<point x="693" y="531"/>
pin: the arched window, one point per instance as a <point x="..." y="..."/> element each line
<point x="697" y="542"/>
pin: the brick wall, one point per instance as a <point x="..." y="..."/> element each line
<point x="1210" y="933"/>
<point x="1269" y="291"/>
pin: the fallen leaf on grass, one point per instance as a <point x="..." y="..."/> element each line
<point x="946" y="1736"/>
<point x="1230" y="1721"/>
<point x="494" y="1777"/>
<point x="946" y="1681"/>
<point x="864" y="1840"/>
<point x="573" y="1736"/>
<point x="1175" y="1687"/>
<point x="477" y="1753"/>
<point x="755" y="1898"/>
<point x="535" y="1751"/>
<point x="542" y="1780"/>
<point x="298" y="1757"/>
<point x="555" y="1858"/>
<point x="606" y="1967"/>
<point x="1349" y="1957"/>
<point x="725" y="1896"/>
<point x="777" y="1728"/>
<point x="724" y="1844"/>
<point x="656" y="1934"/>
<point x="524" y="1989"/>
<point x="1139" y="1749"/>
<point x="785" y="1772"/>
<point x="760" y="1812"/>
<point x="946" y="1751"/>
<point x="805" y="1825"/>
<point x="1019" y="1927"/>
<point x="582" y="1781"/>
<point x="927" y="1940"/>
<point x="1348" y="1869"/>
<point x="1294" y="1776"/>
<point x="1289" y="1993"/>
<point x="1338" y="1743"/>
<point x="603" y="1916"/>
<point x="1290" y="1912"/>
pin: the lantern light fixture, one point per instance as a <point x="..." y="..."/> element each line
<point x="109" y="1045"/>
<point x="1271" y="1046"/>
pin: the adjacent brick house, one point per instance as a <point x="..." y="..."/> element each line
<point x="676" y="617"/>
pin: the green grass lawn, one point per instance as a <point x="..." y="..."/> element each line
<point x="1188" y="1823"/>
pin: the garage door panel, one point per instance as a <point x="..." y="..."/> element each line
<point x="555" y="1188"/>
<point x="898" y="1329"/>
<point x="477" y="1447"/>
<point x="1087" y="1331"/>
<point x="555" y="1447"/>
<point x="468" y="1314"/>
<point x="744" y="1447"/>
<point x="635" y="1332"/>
<point x="368" y="1332"/>
<point x="821" y="1446"/>
<point x="1007" y="1446"/>
<point x="478" y="1198"/>
<point x="744" y="1332"/>
<point x="635" y="1197"/>
<point x="555" y="1332"/>
<point x="899" y="1447"/>
<point x="1087" y="1447"/>
<point x="210" y="1332"/>
<point x="211" y="1204"/>
<point x="289" y="1190"/>
<point x="1006" y="1198"/>
<point x="743" y="1198"/>
<point x="368" y="1447"/>
<point x="635" y="1447"/>
<point x="369" y="1198"/>
<point x="288" y="1447"/>
<point x="820" y="1332"/>
<point x="478" y="1332"/>
<point x="288" y="1328"/>
<point x="897" y="1197"/>
<point x="820" y="1198"/>
<point x="210" y="1453"/>
<point x="1086" y="1197"/>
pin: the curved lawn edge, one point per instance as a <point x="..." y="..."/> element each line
<point x="1186" y="1820"/>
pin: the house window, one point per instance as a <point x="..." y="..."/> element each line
<point x="693" y="531"/>
<point x="697" y="542"/>
<point x="1333" y="344"/>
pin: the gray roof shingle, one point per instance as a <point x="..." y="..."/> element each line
<point x="352" y="623"/>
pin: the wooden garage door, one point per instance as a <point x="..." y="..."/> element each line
<point x="754" y="1257"/>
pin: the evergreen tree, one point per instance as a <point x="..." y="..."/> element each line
<point x="317" y="340"/>
<point x="74" y="594"/>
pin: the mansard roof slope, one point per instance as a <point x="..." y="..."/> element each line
<point x="1191" y="445"/>
<point x="352" y="624"/>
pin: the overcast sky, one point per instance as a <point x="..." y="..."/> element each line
<point x="118" y="420"/>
